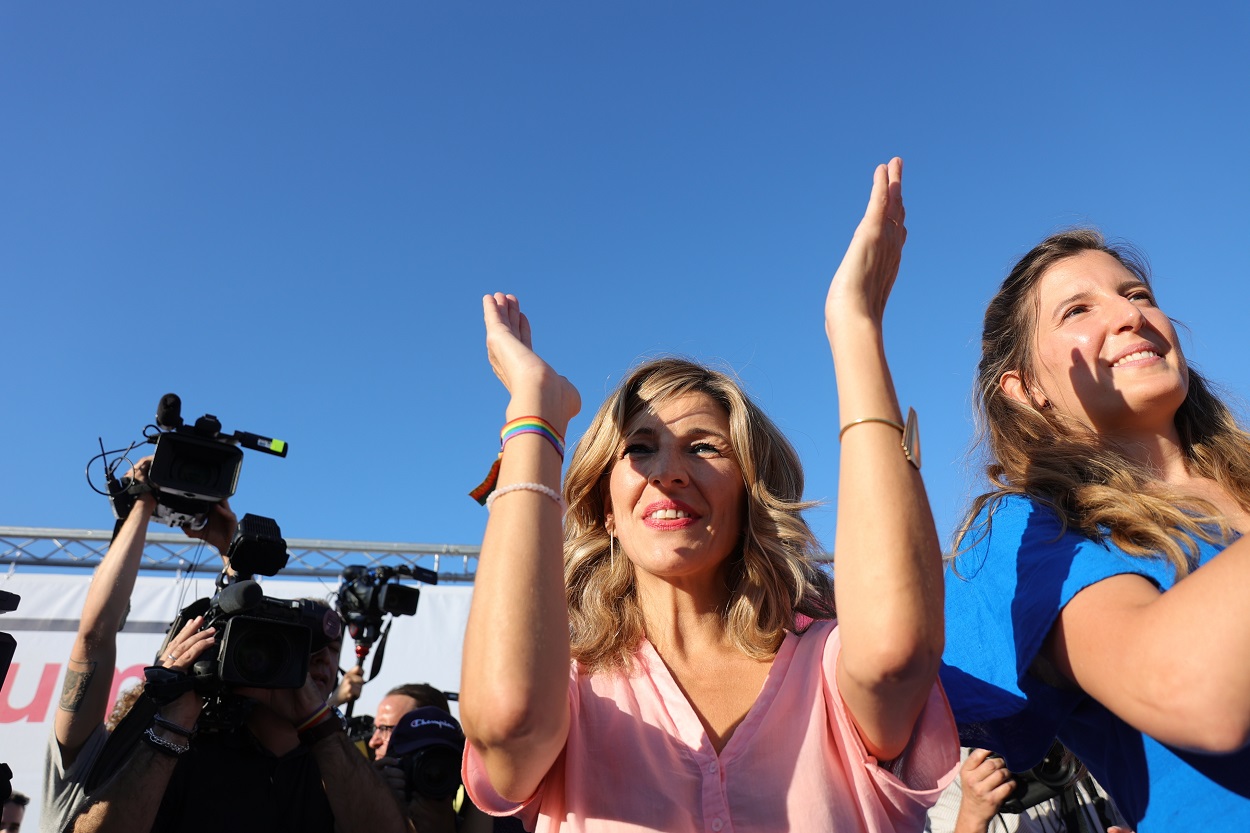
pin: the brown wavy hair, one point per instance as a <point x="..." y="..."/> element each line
<point x="773" y="575"/>
<point x="1089" y="482"/>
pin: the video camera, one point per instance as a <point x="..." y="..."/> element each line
<point x="193" y="467"/>
<point x="261" y="642"/>
<point x="366" y="596"/>
<point x="1056" y="772"/>
<point x="429" y="745"/>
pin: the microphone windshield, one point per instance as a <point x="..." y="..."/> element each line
<point x="240" y="596"/>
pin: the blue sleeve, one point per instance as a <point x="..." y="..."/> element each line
<point x="1002" y="598"/>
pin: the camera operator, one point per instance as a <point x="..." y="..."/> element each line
<point x="288" y="766"/>
<point x="398" y="702"/>
<point x="78" y="730"/>
<point x="394" y="743"/>
<point x="974" y="803"/>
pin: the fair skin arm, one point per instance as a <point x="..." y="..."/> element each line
<point x="514" y="683"/>
<point x="89" y="673"/>
<point x="887" y="557"/>
<point x="1161" y="661"/>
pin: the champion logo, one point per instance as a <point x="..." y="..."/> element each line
<point x="420" y="721"/>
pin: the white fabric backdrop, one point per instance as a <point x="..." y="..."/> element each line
<point x="421" y="648"/>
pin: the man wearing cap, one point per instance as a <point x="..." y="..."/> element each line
<point x="397" y="703"/>
<point x="413" y="720"/>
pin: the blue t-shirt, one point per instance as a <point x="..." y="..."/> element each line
<point x="1002" y="598"/>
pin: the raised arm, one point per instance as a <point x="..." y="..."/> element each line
<point x="886" y="554"/>
<point x="89" y="672"/>
<point x="1163" y="662"/>
<point x="514" y="683"/>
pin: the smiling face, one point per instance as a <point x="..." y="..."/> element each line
<point x="1103" y="352"/>
<point x="675" y="493"/>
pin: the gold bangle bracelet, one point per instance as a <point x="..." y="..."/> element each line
<point x="881" y="420"/>
<point x="910" y="432"/>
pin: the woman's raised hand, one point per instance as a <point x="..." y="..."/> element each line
<point x="863" y="281"/>
<point x="535" y="387"/>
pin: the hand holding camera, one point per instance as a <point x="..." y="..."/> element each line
<point x="194" y="468"/>
<point x="219" y="527"/>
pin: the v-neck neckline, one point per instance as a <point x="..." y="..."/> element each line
<point x="685" y="724"/>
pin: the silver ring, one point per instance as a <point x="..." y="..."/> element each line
<point x="171" y="656"/>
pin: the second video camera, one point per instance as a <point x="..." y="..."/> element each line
<point x="429" y="745"/>
<point x="367" y="596"/>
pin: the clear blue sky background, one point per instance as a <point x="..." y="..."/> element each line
<point x="287" y="213"/>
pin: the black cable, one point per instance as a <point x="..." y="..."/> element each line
<point x="109" y="468"/>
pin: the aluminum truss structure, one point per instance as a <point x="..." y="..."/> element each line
<point x="173" y="552"/>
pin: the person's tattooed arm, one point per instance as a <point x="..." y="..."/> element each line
<point x="89" y="671"/>
<point x="78" y="674"/>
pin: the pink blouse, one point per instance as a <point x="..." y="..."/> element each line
<point x="637" y="757"/>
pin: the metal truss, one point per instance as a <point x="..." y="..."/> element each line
<point x="173" y="552"/>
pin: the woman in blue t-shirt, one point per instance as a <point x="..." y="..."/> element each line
<point x="1100" y="590"/>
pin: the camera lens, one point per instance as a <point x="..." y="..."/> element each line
<point x="261" y="655"/>
<point x="196" y="472"/>
<point x="434" y="771"/>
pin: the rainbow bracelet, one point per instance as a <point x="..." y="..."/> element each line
<point x="515" y="428"/>
<point x="315" y="718"/>
<point x="531" y="425"/>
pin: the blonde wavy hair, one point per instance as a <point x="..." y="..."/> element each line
<point x="1087" y="480"/>
<point x="772" y="576"/>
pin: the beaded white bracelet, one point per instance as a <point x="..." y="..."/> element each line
<point x="525" y="487"/>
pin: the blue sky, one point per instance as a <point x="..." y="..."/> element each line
<point x="287" y="213"/>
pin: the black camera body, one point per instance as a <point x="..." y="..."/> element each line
<point x="432" y="772"/>
<point x="428" y="744"/>
<point x="1056" y="772"/>
<point x="193" y="468"/>
<point x="366" y="596"/>
<point x="262" y="642"/>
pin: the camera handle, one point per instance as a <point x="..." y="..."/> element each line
<point x="362" y="650"/>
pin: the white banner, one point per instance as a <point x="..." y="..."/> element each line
<point x="421" y="648"/>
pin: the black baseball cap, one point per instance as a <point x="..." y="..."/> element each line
<point x="426" y="726"/>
